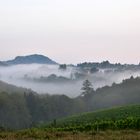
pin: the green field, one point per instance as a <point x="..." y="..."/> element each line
<point x="121" y="123"/>
<point x="127" y="117"/>
<point x="109" y="114"/>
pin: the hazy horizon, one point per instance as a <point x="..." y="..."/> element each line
<point x="71" y="31"/>
<point x="100" y="61"/>
<point x="29" y="76"/>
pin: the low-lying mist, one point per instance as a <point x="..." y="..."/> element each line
<point x="35" y="77"/>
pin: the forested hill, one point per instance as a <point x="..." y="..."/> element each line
<point x="30" y="59"/>
<point x="127" y="92"/>
<point x="22" y="109"/>
<point x="5" y="87"/>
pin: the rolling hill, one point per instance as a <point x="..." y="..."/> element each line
<point x="30" y="59"/>
<point x="16" y="103"/>
<point x="5" y="87"/>
<point x="113" y="114"/>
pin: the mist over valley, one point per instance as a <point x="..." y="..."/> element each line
<point x="52" y="78"/>
<point x="69" y="69"/>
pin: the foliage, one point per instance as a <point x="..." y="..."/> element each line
<point x="63" y="67"/>
<point x="22" y="108"/>
<point x="122" y="124"/>
<point x="117" y="118"/>
<point x="13" y="111"/>
<point x="103" y="121"/>
<point x="87" y="88"/>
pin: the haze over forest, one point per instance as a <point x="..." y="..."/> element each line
<point x="45" y="76"/>
<point x="66" y="57"/>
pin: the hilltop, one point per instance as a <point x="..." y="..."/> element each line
<point x="30" y="59"/>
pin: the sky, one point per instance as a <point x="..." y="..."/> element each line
<point x="71" y="31"/>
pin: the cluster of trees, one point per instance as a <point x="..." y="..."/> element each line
<point x="63" y="67"/>
<point x="13" y="111"/>
<point x="22" y="110"/>
<point x="104" y="64"/>
<point x="94" y="67"/>
<point x="53" y="78"/>
<point x="26" y="110"/>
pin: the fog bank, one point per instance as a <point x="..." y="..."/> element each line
<point x="30" y="75"/>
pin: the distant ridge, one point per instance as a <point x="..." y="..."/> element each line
<point x="30" y="59"/>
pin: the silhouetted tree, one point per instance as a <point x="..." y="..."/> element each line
<point x="87" y="94"/>
<point x="87" y="88"/>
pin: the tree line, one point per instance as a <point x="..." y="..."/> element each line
<point x="23" y="110"/>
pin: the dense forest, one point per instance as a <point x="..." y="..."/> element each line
<point x="25" y="108"/>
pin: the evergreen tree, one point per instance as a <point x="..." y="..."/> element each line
<point x="87" y="88"/>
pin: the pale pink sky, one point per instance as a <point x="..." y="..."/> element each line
<point x="71" y="31"/>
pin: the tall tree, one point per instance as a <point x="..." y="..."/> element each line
<point x="87" y="88"/>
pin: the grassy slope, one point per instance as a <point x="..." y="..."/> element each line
<point x="54" y="134"/>
<point x="109" y="114"/>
